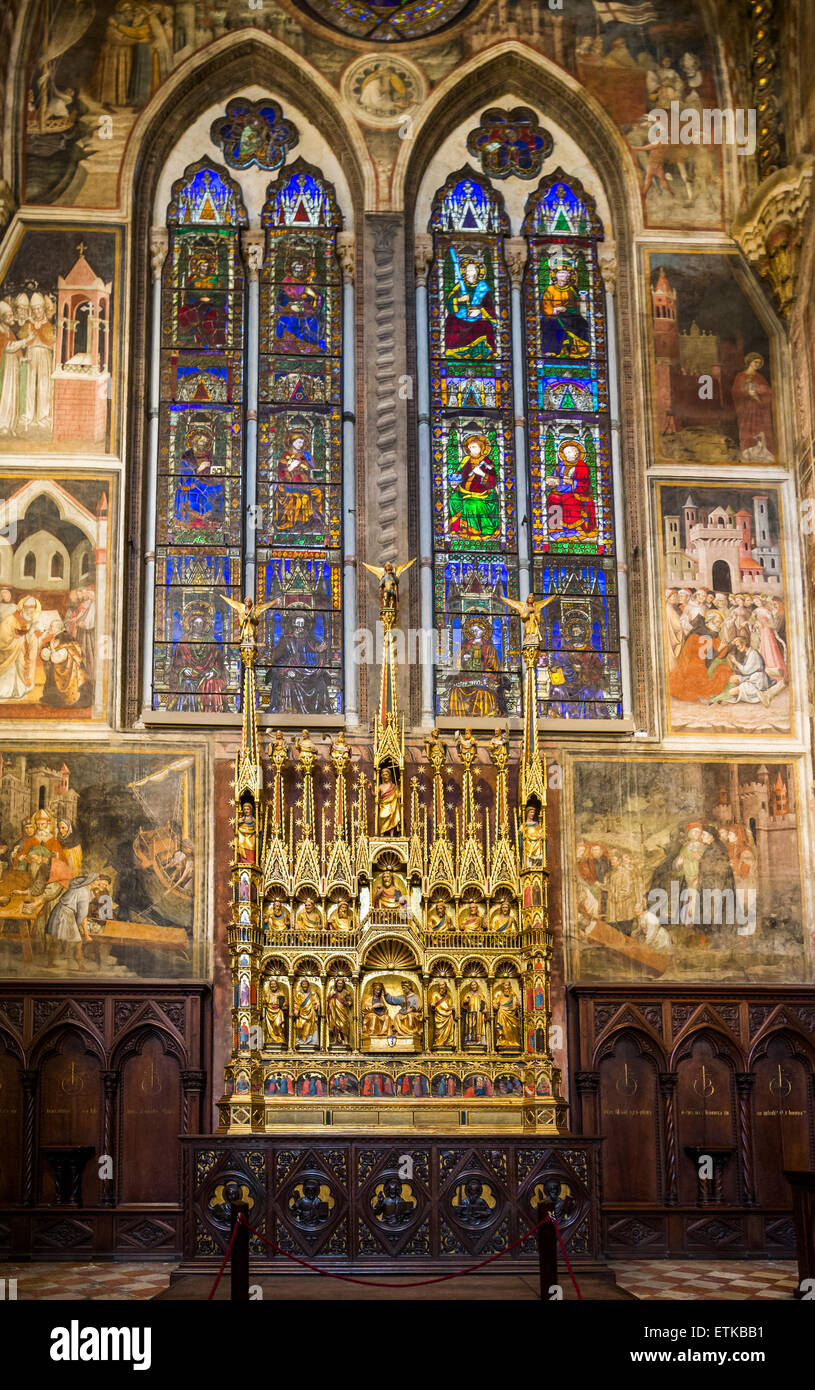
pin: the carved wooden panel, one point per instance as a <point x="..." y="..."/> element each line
<point x="11" y="1123"/>
<point x="782" y="1121"/>
<point x="735" y="1073"/>
<point x="629" y="1119"/>
<point x="124" y="1069"/>
<point x="151" y="1121"/>
<point x="71" y="1110"/>
<point x="357" y="1203"/>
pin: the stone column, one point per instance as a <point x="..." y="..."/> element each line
<point x="346" y="249"/>
<point x="607" y="257"/>
<point x="252" y="245"/>
<point x="515" y="250"/>
<point x="159" y="243"/>
<point x="384" y="534"/>
<point x="424" y="257"/>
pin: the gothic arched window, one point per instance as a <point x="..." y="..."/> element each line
<point x="572" y="539"/>
<point x="475" y="556"/>
<point x="242" y="505"/>
<point x="200" y="485"/>
<point x="299" y="519"/>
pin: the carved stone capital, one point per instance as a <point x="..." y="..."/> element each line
<point x="159" y="245"/>
<point x="253" y="244"/>
<point x="423" y="256"/>
<point x="770" y="229"/>
<point x="607" y="261"/>
<point x="515" y="251"/>
<point x="347" y="253"/>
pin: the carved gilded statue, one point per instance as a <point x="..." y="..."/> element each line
<point x="503" y="917"/>
<point x="442" y="1016"/>
<point x="440" y="916"/>
<point x="277" y="916"/>
<point x="307" y="1013"/>
<point x="339" y="1004"/>
<point x="506" y="1011"/>
<point x="340" y="916"/>
<point x="389" y="802"/>
<point x="391" y="1012"/>
<point x="467" y="747"/>
<point x="389" y="576"/>
<point x="275" y="1009"/>
<point x="308" y="916"/>
<point x="473" y="1015"/>
<point x="387" y="893"/>
<point x="248" y="614"/>
<point x="534" y="838"/>
<point x="245" y="833"/>
<point x="499" y="749"/>
<point x="436" y="750"/>
<point x="375" y="1015"/>
<point x="529" y="611"/>
<point x="471" y="917"/>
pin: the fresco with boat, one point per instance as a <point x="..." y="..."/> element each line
<point x="100" y="863"/>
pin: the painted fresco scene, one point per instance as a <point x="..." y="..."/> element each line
<point x="95" y="64"/>
<point x="55" y="645"/>
<point x="712" y="388"/>
<point x="57" y="342"/>
<point x="686" y="871"/>
<point x="724" y="609"/>
<point x="99" y="868"/>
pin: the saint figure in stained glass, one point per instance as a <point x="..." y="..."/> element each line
<point x="469" y="327"/>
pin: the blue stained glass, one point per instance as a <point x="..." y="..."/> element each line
<point x="205" y="197"/>
<point x="301" y="201"/>
<point x="469" y="206"/>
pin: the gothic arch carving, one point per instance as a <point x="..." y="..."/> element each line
<point x="132" y="1042"/>
<point x="796" y="1041"/>
<point x="722" y="1044"/>
<point x="57" y="1032"/>
<point x="646" y="1044"/>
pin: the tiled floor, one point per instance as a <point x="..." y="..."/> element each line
<point x="707" y="1279"/>
<point x="696" y="1280"/>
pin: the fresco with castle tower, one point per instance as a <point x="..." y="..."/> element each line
<point x="724" y="616"/>
<point x="686" y="870"/>
<point x="100" y="863"/>
<point x="711" y="381"/>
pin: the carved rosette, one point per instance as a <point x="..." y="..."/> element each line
<point x="770" y="230"/>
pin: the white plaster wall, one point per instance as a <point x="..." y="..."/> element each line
<point x="196" y="143"/>
<point x="453" y="154"/>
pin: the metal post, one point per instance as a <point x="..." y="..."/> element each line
<point x="547" y="1254"/>
<point x="240" y="1252"/>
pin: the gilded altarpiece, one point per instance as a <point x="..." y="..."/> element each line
<point x="390" y="960"/>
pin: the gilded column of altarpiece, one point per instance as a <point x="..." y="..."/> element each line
<point x="389" y="967"/>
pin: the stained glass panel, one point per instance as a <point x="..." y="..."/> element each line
<point x="300" y="448"/>
<point x="200" y="486"/>
<point x="570" y="468"/>
<point x="474" y="504"/>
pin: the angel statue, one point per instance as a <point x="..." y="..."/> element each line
<point x="389" y="576"/>
<point x="529" y="611"/>
<point x="248" y="613"/>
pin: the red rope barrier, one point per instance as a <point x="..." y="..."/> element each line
<point x="386" y="1284"/>
<point x="565" y="1257"/>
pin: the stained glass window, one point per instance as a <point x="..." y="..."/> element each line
<point x="388" y="21"/>
<point x="299" y="535"/>
<point x="474" y="513"/>
<point x="200" y="491"/>
<point x="570" y="471"/>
